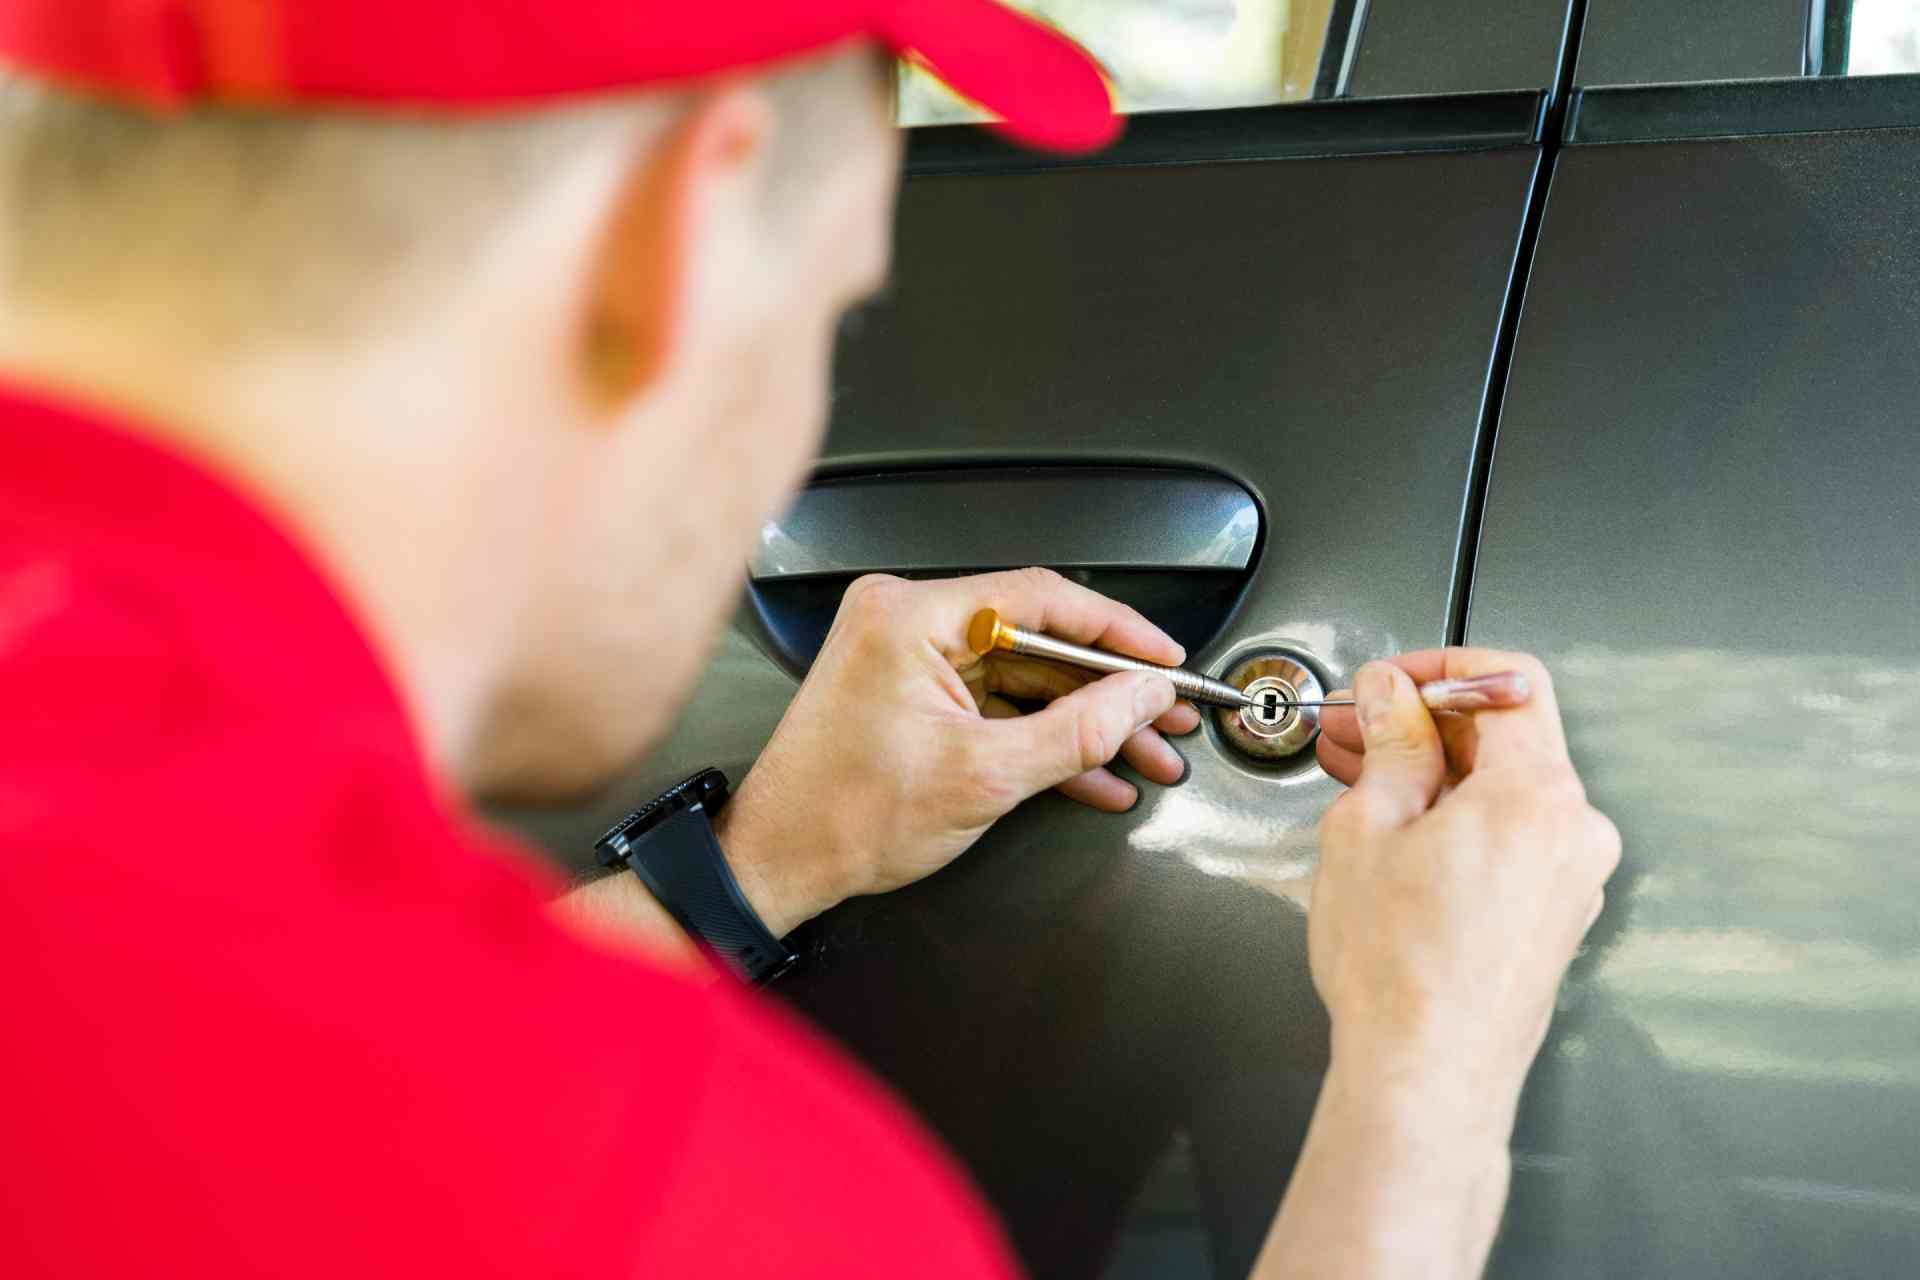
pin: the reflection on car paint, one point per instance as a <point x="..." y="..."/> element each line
<point x="1680" y="1074"/>
<point x="1757" y="883"/>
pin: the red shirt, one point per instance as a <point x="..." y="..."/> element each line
<point x="271" y="1003"/>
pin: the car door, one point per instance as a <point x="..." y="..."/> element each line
<point x="1234" y="371"/>
<point x="1703" y="513"/>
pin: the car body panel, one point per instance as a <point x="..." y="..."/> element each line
<point x="1292" y="325"/>
<point x="1703" y="514"/>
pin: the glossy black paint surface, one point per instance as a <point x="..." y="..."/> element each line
<point x="1703" y="513"/>
<point x="1297" y="130"/>
<point x="1658" y="113"/>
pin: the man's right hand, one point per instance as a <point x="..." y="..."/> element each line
<point x="1457" y="877"/>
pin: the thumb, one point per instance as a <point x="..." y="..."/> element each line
<point x="1404" y="763"/>
<point x="1078" y="732"/>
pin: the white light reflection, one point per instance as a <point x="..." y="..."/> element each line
<point x="1321" y="638"/>
<point x="1770" y="805"/>
<point x="1258" y="845"/>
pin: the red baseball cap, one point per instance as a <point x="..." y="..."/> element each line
<point x="476" y="54"/>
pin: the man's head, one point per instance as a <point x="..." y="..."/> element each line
<point x="529" y="380"/>
<point x="587" y="346"/>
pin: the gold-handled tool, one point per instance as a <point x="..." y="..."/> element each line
<point x="987" y="633"/>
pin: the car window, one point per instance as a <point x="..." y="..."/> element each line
<point x="1884" y="38"/>
<point x="1634" y="42"/>
<point x="1169" y="55"/>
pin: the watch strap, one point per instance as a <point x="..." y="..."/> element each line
<point x="670" y="845"/>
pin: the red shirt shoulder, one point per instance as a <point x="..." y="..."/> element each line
<point x="274" y="1005"/>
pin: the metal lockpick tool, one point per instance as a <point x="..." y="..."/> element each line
<point x="987" y="633"/>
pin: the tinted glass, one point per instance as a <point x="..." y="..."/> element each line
<point x="1660" y="42"/>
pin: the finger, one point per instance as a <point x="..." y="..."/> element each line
<point x="1529" y="731"/>
<point x="1341" y="764"/>
<point x="1101" y="789"/>
<point x="1404" y="764"/>
<point x="1181" y="721"/>
<point x="997" y="708"/>
<point x="1042" y="600"/>
<point x="1424" y="666"/>
<point x="854" y="598"/>
<point x="1154" y="758"/>
<point x="1340" y="728"/>
<point x="1527" y="734"/>
<point x="1031" y="678"/>
<point x="1522" y="734"/>
<point x="1453" y="663"/>
<point x="1427" y="664"/>
<point x="1459" y="737"/>
<point x="1081" y="731"/>
<point x="1341" y="724"/>
<point x="1040" y="681"/>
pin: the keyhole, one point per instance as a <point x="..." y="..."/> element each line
<point x="1270" y="709"/>
<point x="1272" y="723"/>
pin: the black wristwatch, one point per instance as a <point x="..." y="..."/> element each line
<point x="669" y="844"/>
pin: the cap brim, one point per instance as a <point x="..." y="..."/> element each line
<point x="1046" y="90"/>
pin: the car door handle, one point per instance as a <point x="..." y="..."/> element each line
<point x="1176" y="544"/>
<point x="931" y="522"/>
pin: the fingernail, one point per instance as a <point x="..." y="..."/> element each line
<point x="1373" y="696"/>
<point x="1152" y="699"/>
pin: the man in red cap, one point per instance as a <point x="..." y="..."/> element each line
<point x="390" y="390"/>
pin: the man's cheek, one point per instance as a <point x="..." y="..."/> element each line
<point x="803" y="427"/>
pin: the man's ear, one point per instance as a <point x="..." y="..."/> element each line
<point x="640" y="277"/>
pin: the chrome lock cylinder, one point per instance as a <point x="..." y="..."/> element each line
<point x="1271" y="728"/>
